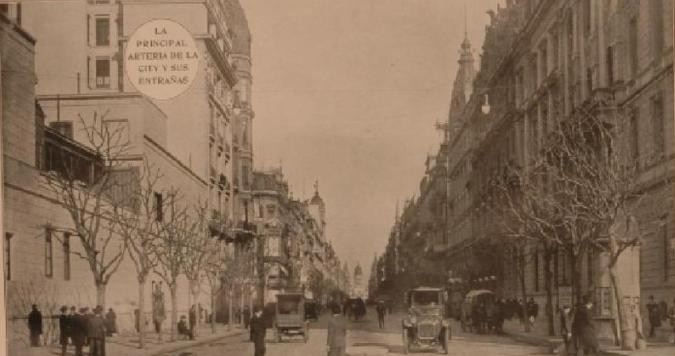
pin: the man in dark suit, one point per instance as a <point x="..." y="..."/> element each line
<point x="258" y="331"/>
<point x="64" y="329"/>
<point x="78" y="331"/>
<point x="337" y="334"/>
<point x="96" y="333"/>
<point x="583" y="330"/>
<point x="35" y="326"/>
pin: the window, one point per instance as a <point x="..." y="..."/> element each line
<point x="633" y="45"/>
<point x="610" y="65"/>
<point x="102" y="31"/>
<point x="535" y="272"/>
<point x="49" y="254"/>
<point x="657" y="124"/>
<point x="261" y="212"/>
<point x="103" y="73"/>
<point x="159" y="212"/>
<point x="587" y="16"/>
<point x="656" y="14"/>
<point x="589" y="267"/>
<point x="634" y="137"/>
<point x="666" y="252"/>
<point x="589" y="80"/>
<point x="8" y="256"/>
<point x="66" y="256"/>
<point x="273" y="246"/>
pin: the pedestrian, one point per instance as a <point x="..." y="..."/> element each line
<point x="671" y="317"/>
<point x="566" y="330"/>
<point x="78" y="331"/>
<point x="192" y="318"/>
<point x="583" y="330"/>
<point x="110" y="322"/>
<point x="258" y="331"/>
<point x="532" y="311"/>
<point x="88" y="315"/>
<point x="337" y="334"/>
<point x="247" y="317"/>
<point x="96" y="333"/>
<point x="182" y="327"/>
<point x="654" y="314"/>
<point x="35" y="326"/>
<point x="64" y="329"/>
<point x="137" y="320"/>
<point x="500" y="312"/>
<point x="381" y="309"/>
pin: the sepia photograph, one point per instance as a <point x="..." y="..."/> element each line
<point x="337" y="177"/>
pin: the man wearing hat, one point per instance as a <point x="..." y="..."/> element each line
<point x="582" y="328"/>
<point x="35" y="325"/>
<point x="64" y="329"/>
<point x="258" y="331"/>
<point x="78" y="331"/>
<point x="337" y="333"/>
<point x="97" y="333"/>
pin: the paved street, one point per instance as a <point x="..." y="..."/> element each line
<point x="364" y="338"/>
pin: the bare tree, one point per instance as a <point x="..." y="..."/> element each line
<point x="138" y="223"/>
<point x="171" y="251"/>
<point x="580" y="194"/>
<point x="199" y="249"/>
<point x="82" y="184"/>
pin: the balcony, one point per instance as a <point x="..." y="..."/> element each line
<point x="219" y="225"/>
<point x="244" y="232"/>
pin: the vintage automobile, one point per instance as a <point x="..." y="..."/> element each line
<point x="426" y="326"/>
<point x="290" y="316"/>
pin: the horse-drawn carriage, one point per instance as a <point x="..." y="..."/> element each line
<point x="476" y="311"/>
<point x="290" y="316"/>
<point x="355" y="308"/>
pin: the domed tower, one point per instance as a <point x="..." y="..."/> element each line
<point x="359" y="289"/>
<point x="317" y="208"/>
<point x="462" y="86"/>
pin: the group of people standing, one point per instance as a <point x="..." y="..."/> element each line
<point x="487" y="315"/>
<point x="79" y="327"/>
<point x="658" y="313"/>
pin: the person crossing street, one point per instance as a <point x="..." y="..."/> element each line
<point x="381" y="309"/>
<point x="337" y="334"/>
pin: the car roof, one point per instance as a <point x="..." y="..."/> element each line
<point x="426" y="289"/>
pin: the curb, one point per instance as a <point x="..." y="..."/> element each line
<point x="551" y="345"/>
<point x="194" y="344"/>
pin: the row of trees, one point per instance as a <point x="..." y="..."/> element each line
<point x="576" y="196"/>
<point x="121" y="208"/>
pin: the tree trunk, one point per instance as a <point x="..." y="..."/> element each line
<point x="100" y="294"/>
<point x="241" y="304"/>
<point x="576" y="278"/>
<point x="174" y="312"/>
<point x="213" y="310"/>
<point x="229" y="308"/>
<point x="141" y="312"/>
<point x="523" y="290"/>
<point x="626" y="332"/>
<point x="549" y="290"/>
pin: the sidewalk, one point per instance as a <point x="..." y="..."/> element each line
<point x="539" y="336"/>
<point x="127" y="345"/>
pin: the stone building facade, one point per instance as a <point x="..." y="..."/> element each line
<point x="74" y="70"/>
<point x="541" y="62"/>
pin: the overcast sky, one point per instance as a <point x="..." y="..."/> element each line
<point x="347" y="92"/>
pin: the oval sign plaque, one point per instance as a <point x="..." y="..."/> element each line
<point x="161" y="59"/>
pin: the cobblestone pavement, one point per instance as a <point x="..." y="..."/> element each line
<point x="364" y="338"/>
